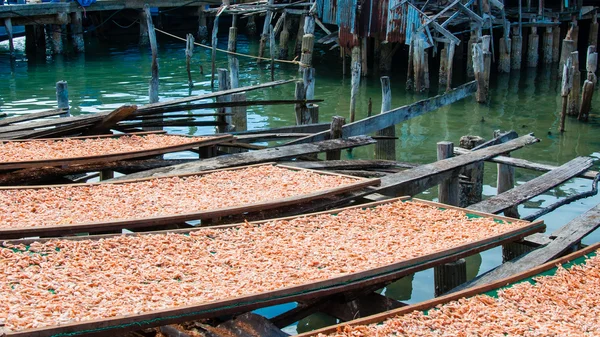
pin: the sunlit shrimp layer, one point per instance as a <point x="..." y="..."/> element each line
<point x="164" y="196"/>
<point x="566" y="304"/>
<point x="63" y="281"/>
<point x="75" y="148"/>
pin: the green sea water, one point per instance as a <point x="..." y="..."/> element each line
<point x="109" y="75"/>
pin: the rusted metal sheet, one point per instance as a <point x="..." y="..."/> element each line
<point x="397" y="23"/>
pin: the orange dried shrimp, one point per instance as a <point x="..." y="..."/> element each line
<point x="66" y="281"/>
<point x="162" y="196"/>
<point x="89" y="147"/>
<point x="566" y="304"/>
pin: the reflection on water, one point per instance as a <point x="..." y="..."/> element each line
<point x="110" y="75"/>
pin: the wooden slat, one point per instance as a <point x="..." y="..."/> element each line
<point x="255" y="157"/>
<point x="113" y="118"/>
<point x="31" y="116"/>
<point x="398" y="115"/>
<point x="534" y="187"/>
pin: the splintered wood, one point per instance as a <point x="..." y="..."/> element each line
<point x="566" y="304"/>
<point x="158" y="197"/>
<point x="67" y="281"/>
<point x="87" y="147"/>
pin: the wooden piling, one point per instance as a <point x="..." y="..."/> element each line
<point x="57" y="39"/>
<point x="284" y="38"/>
<point x="575" y="94"/>
<point x="308" y="42"/>
<point x="593" y="37"/>
<point x="448" y="191"/>
<point x="153" y="91"/>
<point x="410" y="84"/>
<point x="214" y="42"/>
<point x="202" y="27"/>
<point x="265" y="32"/>
<point x="77" y="32"/>
<point x="189" y="52"/>
<point x="386" y="148"/>
<point x="335" y="132"/>
<point x="239" y="119"/>
<point x="144" y="38"/>
<point x="62" y="97"/>
<point x="548" y="42"/>
<point x="9" y="34"/>
<point x="516" y="50"/>
<point x="299" y="35"/>
<point x="364" y="68"/>
<point x="272" y="51"/>
<point x="355" y="82"/>
<point x="302" y="116"/>
<point x="234" y="73"/>
<point x="532" y="48"/>
<point x="556" y="43"/>
<point x="443" y="73"/>
<point x="566" y="85"/>
<point x="386" y="55"/>
<point x="225" y="113"/>
<point x="308" y="78"/>
<point x="512" y="250"/>
<point x="589" y="84"/>
<point x="251" y="26"/>
<point x="504" y="54"/>
<point x="449" y="65"/>
<point x="420" y="64"/>
<point x="449" y="276"/>
<point x="568" y="46"/>
<point x="506" y="181"/>
<point x="30" y="42"/>
<point x="232" y="41"/>
<point x="575" y="30"/>
<point x="471" y="189"/>
<point x="474" y="38"/>
<point x="478" y="68"/>
<point x="313" y="111"/>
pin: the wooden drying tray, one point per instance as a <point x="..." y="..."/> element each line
<point x="206" y="141"/>
<point x="94" y="227"/>
<point x="431" y="304"/>
<point x="295" y="293"/>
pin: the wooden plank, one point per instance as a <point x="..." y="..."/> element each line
<point x="416" y="180"/>
<point x="307" y="128"/>
<point x="113" y="118"/>
<point x="103" y="226"/>
<point x="114" y="156"/>
<point x="31" y="116"/>
<point x="566" y="236"/>
<point x="430" y="304"/>
<point x="349" y="282"/>
<point x="398" y="115"/>
<point x="349" y="164"/>
<point x="255" y="157"/>
<point x="523" y="163"/>
<point x="534" y="187"/>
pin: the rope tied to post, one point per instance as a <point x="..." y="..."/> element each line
<point x="294" y="61"/>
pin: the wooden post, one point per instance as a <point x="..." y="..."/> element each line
<point x="567" y="84"/>
<point x="272" y="51"/>
<point x="532" y="48"/>
<point x="9" y="33"/>
<point x="420" y="63"/>
<point x="589" y="84"/>
<point x="386" y="148"/>
<point x="313" y="111"/>
<point x="575" y="31"/>
<point x="299" y="35"/>
<point x="234" y="69"/>
<point x="448" y="192"/>
<point x="189" y="52"/>
<point x="410" y="84"/>
<point x="214" y="42"/>
<point x="593" y="37"/>
<point x="556" y="45"/>
<point x="568" y="46"/>
<point x="449" y="64"/>
<point x="144" y="38"/>
<point x="505" y="49"/>
<point x="475" y="33"/>
<point x="265" y="32"/>
<point x="30" y="42"/>
<point x="302" y="116"/>
<point x="251" y="26"/>
<point x="363" y="57"/>
<point x="308" y="78"/>
<point x="426" y="83"/>
<point x="370" y="108"/>
<point x="574" y="95"/>
<point x="355" y="82"/>
<point x="233" y="61"/>
<point x="443" y="73"/>
<point x="512" y="250"/>
<point x="487" y="61"/>
<point x="478" y="68"/>
<point x="153" y="91"/>
<point x="548" y="42"/>
<point x="449" y="276"/>
<point x="77" y="30"/>
<point x="335" y="132"/>
<point x="57" y="39"/>
<point x="106" y="174"/>
<point x="284" y="38"/>
<point x="516" y="55"/>
<point x="225" y="117"/>
<point x="62" y="97"/>
<point x="471" y="190"/>
<point x="308" y="42"/>
<point x="506" y="181"/>
<point x="387" y="51"/>
<point x="239" y="119"/>
<point x="202" y="27"/>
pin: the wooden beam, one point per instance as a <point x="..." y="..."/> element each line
<point x="31" y="116"/>
<point x="534" y="187"/>
<point x="255" y="157"/>
<point x="398" y="115"/>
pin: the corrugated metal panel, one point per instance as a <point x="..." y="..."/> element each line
<point x="327" y="11"/>
<point x="396" y="22"/>
<point x="346" y="14"/>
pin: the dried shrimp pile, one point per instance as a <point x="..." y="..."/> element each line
<point x="62" y="281"/>
<point x="566" y="304"/>
<point x="89" y="147"/>
<point x="164" y="196"/>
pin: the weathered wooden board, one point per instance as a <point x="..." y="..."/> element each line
<point x="430" y="304"/>
<point x="534" y="187"/>
<point x="31" y="116"/>
<point x="564" y="239"/>
<point x="254" y="157"/>
<point x="398" y="115"/>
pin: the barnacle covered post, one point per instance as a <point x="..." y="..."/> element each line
<point x="589" y="84"/>
<point x="516" y="49"/>
<point x="556" y="43"/>
<point x="505" y="49"/>
<point x="568" y="46"/>
<point x="575" y="94"/>
<point x="77" y="32"/>
<point x="532" y="48"/>
<point x="593" y="37"/>
<point x="443" y="77"/>
<point x="202" y="28"/>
